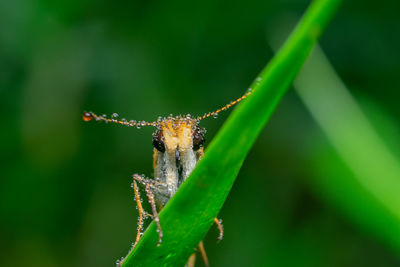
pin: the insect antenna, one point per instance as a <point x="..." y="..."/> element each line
<point x="88" y="116"/>
<point x="232" y="103"/>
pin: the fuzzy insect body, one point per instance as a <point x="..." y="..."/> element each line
<point x="178" y="146"/>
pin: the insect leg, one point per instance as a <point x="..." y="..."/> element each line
<point x="148" y="184"/>
<point x="142" y="215"/>
<point x="141" y="179"/>
<point x="203" y="254"/>
<point x="201" y="249"/>
<point x="192" y="260"/>
<point x="218" y="222"/>
<point x="141" y="212"/>
<point x="155" y="214"/>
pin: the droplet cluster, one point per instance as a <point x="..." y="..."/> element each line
<point x="214" y="114"/>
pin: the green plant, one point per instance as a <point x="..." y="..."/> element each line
<point x="189" y="214"/>
<point x="360" y="174"/>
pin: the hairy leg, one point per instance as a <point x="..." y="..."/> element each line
<point x="155" y="213"/>
<point x="220" y="227"/>
<point x="203" y="254"/>
<point x="150" y="186"/>
<point x="192" y="260"/>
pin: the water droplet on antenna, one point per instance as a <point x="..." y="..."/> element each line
<point x="87" y="116"/>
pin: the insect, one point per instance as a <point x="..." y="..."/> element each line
<point x="178" y="146"/>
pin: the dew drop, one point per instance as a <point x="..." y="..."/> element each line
<point x="119" y="262"/>
<point x="87" y="116"/>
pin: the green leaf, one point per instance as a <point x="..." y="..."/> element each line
<point x="367" y="181"/>
<point x="189" y="214"/>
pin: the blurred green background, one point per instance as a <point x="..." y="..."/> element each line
<point x="65" y="196"/>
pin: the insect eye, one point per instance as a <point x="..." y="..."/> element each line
<point x="158" y="142"/>
<point x="198" y="138"/>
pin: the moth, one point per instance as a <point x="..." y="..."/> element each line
<point x="178" y="146"/>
